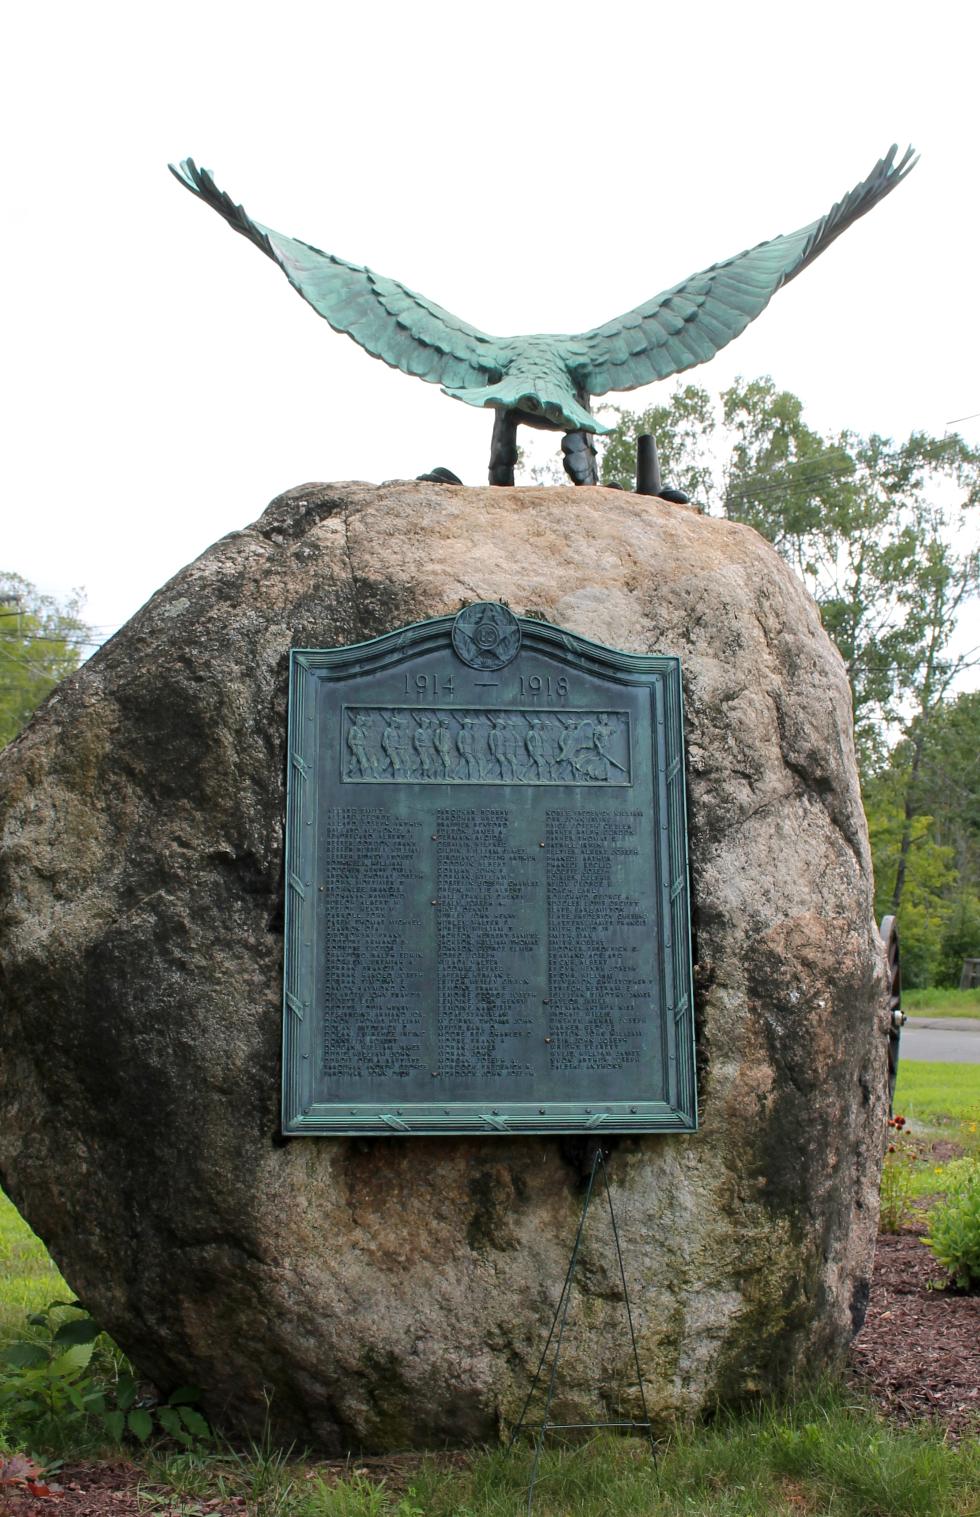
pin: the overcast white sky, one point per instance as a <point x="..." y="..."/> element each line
<point x="534" y="168"/>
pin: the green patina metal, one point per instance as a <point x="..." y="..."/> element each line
<point x="487" y="920"/>
<point x="547" y="379"/>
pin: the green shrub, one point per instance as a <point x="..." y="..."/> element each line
<point x="51" y="1394"/>
<point x="954" y="1225"/>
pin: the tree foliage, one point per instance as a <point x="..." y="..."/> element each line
<point x="884" y="535"/>
<point x="41" y="641"/>
<point x="926" y="797"/>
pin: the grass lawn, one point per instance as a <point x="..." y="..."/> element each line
<point x="943" y="1096"/>
<point x="822" y="1453"/>
<point x="941" y="1003"/>
<point x="941" y="1103"/>
<point x="28" y="1278"/>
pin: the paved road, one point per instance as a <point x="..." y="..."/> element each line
<point x="949" y="1040"/>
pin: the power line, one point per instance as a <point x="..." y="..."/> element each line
<point x="68" y="642"/>
<point x="779" y="486"/>
<point x="24" y="664"/>
<point x="770" y="481"/>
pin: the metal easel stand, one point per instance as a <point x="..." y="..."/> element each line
<point x="559" y="1321"/>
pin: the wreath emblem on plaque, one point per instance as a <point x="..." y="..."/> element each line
<point x="486" y="635"/>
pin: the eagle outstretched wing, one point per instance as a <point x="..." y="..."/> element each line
<point x="390" y="321"/>
<point x="549" y="376"/>
<point x="690" y="323"/>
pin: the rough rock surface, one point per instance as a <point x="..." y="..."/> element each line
<point x="391" y="1293"/>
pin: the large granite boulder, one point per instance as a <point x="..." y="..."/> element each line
<point x="394" y="1292"/>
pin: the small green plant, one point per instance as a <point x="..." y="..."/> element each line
<point x="897" y="1178"/>
<point x="43" y="1379"/>
<point x="178" y="1417"/>
<point x="49" y="1388"/>
<point x="954" y="1224"/>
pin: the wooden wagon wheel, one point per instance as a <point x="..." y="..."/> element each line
<point x="889" y="936"/>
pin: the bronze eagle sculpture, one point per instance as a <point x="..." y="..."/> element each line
<point x="547" y="380"/>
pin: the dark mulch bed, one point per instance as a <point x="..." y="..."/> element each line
<point x="120" y="1489"/>
<point x="116" y="1489"/>
<point x="917" y="1358"/>
<point x="84" y="1490"/>
<point x="918" y="1354"/>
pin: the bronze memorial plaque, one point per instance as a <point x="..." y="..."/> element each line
<point x="487" y="919"/>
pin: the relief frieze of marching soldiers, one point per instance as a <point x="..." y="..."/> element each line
<point x="440" y="746"/>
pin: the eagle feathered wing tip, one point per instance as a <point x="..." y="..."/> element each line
<point x="883" y="178"/>
<point x="690" y="323"/>
<point x="382" y="316"/>
<point x="201" y="184"/>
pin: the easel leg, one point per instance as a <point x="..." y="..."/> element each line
<point x="559" y="1321"/>
<point x="629" y="1314"/>
<point x="562" y="1309"/>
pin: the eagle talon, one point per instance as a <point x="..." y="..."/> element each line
<point x="580" y="458"/>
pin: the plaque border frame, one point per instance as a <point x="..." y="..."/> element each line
<point x="304" y="1116"/>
